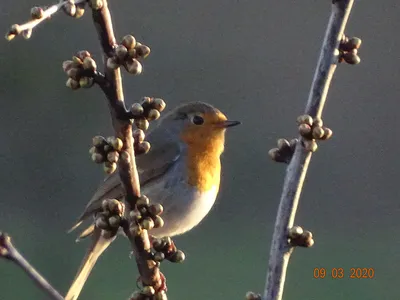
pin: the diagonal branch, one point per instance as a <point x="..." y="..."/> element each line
<point x="149" y="273"/>
<point x="40" y="16"/>
<point x="297" y="169"/>
<point x="8" y="251"/>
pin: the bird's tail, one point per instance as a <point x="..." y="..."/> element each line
<point x="99" y="244"/>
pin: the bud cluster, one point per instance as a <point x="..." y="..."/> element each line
<point x="145" y="216"/>
<point x="109" y="219"/>
<point x="299" y="237"/>
<point x="140" y="145"/>
<point x="148" y="110"/>
<point x="164" y="248"/>
<point x="80" y="70"/>
<point x="37" y="13"/>
<point x="348" y="50"/>
<point x="127" y="54"/>
<point x="312" y="129"/>
<point x="284" y="152"/>
<point x="106" y="151"/>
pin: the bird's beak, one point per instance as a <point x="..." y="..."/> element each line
<point x="228" y="123"/>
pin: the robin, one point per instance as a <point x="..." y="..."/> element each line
<point x="181" y="171"/>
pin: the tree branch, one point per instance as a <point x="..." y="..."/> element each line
<point x="39" y="15"/>
<point x="149" y="273"/>
<point x="297" y="169"/>
<point x="8" y="251"/>
<point x="111" y="84"/>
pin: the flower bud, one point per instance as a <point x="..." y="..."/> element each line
<point x="142" y="124"/>
<point x="98" y="158"/>
<point x="177" y="257"/>
<point x="86" y="82"/>
<point x="129" y="41"/>
<point x="143" y="147"/>
<point x="137" y="110"/>
<point x="72" y="84"/>
<point x="156" y="209"/>
<point x="109" y="168"/>
<point x="89" y="64"/>
<point x="67" y="65"/>
<point x="159" y="104"/>
<point x="112" y="63"/>
<point x="147" y="223"/>
<point x="102" y="223"/>
<point x="113" y="156"/>
<point x="37" y="12"/>
<point x="121" y="52"/>
<point x="153" y="114"/>
<point x="133" y="66"/>
<point x="98" y="141"/>
<point x="142" y="51"/>
<point x="158" y="222"/>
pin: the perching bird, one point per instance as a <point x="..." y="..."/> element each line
<point x="181" y="171"/>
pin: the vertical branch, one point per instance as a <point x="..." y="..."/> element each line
<point x="149" y="273"/>
<point x="115" y="95"/>
<point x="297" y="169"/>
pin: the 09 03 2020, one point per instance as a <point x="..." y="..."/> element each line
<point x="340" y="273"/>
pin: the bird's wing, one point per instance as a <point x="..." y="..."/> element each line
<point x="164" y="152"/>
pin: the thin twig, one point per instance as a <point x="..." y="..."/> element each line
<point x="149" y="273"/>
<point x="30" y="25"/>
<point x="297" y="169"/>
<point x="8" y="251"/>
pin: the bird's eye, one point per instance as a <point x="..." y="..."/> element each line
<point x="197" y="120"/>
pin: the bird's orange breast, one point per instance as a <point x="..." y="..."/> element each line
<point x="204" y="169"/>
<point x="203" y="158"/>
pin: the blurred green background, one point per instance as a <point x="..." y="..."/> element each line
<point x="253" y="59"/>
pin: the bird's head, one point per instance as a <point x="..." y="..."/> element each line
<point x="199" y="124"/>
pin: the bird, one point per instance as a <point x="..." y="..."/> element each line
<point x="181" y="171"/>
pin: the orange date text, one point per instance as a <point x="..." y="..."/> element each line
<point x="339" y="273"/>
